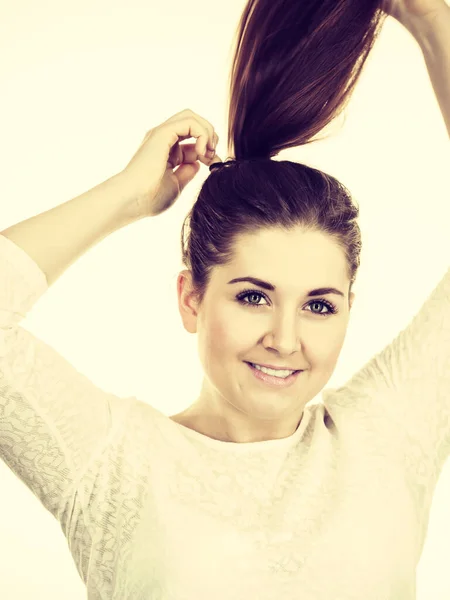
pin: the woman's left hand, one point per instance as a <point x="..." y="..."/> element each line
<point x="406" y="11"/>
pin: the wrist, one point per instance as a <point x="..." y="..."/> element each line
<point x="433" y="36"/>
<point x="127" y="201"/>
<point x="435" y="27"/>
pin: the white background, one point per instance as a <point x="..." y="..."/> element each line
<point x="80" y="84"/>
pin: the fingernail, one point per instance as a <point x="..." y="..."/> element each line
<point x="210" y="153"/>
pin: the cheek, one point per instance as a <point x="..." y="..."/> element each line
<point x="220" y="336"/>
<point x="225" y="332"/>
<point x="220" y="347"/>
<point x="326" y="347"/>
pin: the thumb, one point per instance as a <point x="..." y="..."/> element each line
<point x="186" y="173"/>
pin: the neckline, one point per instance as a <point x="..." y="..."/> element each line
<point x="269" y="445"/>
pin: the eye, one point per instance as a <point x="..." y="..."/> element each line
<point x="331" y="308"/>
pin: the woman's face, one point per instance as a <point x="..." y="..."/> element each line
<point x="280" y="327"/>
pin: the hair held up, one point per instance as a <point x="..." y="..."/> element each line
<point x="295" y="66"/>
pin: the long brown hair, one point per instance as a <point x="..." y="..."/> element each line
<point x="295" y="66"/>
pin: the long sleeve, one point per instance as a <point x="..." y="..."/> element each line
<point x="404" y="390"/>
<point x="53" y="420"/>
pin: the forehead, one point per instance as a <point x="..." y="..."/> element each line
<point x="299" y="253"/>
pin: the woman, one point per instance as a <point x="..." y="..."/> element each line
<point x="249" y="493"/>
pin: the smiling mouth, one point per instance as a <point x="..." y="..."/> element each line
<point x="253" y="365"/>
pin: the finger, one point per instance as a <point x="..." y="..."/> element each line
<point x="213" y="138"/>
<point x="209" y="161"/>
<point x="190" y="155"/>
<point x="212" y="141"/>
<point x="190" y="127"/>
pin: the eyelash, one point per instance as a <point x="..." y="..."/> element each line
<point x="331" y="308"/>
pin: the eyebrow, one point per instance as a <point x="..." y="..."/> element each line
<point x="268" y="286"/>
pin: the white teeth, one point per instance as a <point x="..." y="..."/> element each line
<point x="283" y="374"/>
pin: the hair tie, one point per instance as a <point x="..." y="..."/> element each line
<point x="218" y="165"/>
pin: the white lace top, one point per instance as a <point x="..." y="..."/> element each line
<point x="155" y="511"/>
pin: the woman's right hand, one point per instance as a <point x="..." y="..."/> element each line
<point x="150" y="176"/>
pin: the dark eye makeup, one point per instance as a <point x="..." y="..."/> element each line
<point x="331" y="308"/>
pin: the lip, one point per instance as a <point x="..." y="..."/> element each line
<point x="272" y="367"/>
<point x="272" y="381"/>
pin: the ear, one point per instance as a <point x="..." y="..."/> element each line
<point x="186" y="301"/>
<point x="350" y="299"/>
